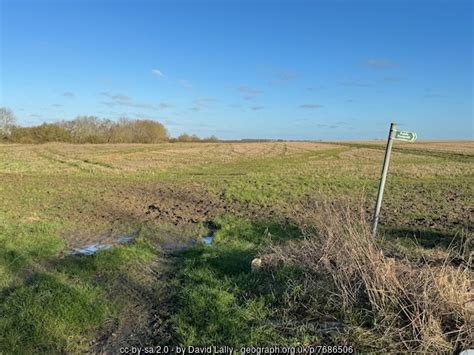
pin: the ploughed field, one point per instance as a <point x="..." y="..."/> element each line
<point x="159" y="289"/>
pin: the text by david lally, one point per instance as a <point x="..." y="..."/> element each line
<point x="204" y="350"/>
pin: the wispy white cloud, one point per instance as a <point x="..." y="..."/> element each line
<point x="68" y="94"/>
<point x="287" y="75"/>
<point x="171" y="123"/>
<point x="311" y="106"/>
<point x="124" y="100"/>
<point x="281" y="77"/>
<point x="128" y="104"/>
<point x="379" y="63"/>
<point x="255" y="108"/>
<point x="314" y="88"/>
<point x="117" y="97"/>
<point x="355" y="82"/>
<point x="202" y="103"/>
<point x="323" y="125"/>
<point x="157" y="72"/>
<point x="248" y="90"/>
<point x="391" y="79"/>
<point x="432" y="94"/>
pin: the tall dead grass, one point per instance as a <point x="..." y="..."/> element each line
<point x="406" y="306"/>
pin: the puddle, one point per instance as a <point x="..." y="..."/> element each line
<point x="94" y="248"/>
<point x="208" y="240"/>
<point x="90" y="249"/>
<point x="170" y="247"/>
<point x="124" y="239"/>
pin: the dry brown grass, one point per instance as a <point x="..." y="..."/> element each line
<point x="464" y="147"/>
<point x="405" y="306"/>
<point x="130" y="158"/>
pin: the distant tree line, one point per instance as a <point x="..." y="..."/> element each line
<point x="90" y="129"/>
<point x="193" y="138"/>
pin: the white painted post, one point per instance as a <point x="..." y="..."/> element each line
<point x="386" y="161"/>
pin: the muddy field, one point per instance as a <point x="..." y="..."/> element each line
<point x="96" y="191"/>
<point x="148" y="207"/>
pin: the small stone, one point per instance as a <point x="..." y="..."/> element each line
<point x="256" y="264"/>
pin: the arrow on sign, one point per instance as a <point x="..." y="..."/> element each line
<point x="405" y="136"/>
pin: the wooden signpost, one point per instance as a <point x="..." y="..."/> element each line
<point x="397" y="135"/>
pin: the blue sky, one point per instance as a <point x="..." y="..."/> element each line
<point x="244" y="69"/>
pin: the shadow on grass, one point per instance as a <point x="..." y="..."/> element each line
<point x="52" y="304"/>
<point x="219" y="299"/>
<point x="237" y="241"/>
<point x="48" y="314"/>
<point x="426" y="238"/>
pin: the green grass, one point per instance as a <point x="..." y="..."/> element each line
<point x="50" y="314"/>
<point x="41" y="309"/>
<point x="54" y="303"/>
<point x="220" y="301"/>
<point x="23" y="246"/>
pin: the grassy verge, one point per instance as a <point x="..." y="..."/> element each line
<point x="388" y="301"/>
<point x="335" y="286"/>
<point x="321" y="281"/>
<point x="50" y="302"/>
<point x="220" y="299"/>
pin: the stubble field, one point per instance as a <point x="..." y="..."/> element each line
<point x="167" y="287"/>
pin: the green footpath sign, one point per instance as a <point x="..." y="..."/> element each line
<point x="404" y="136"/>
<point x="400" y="136"/>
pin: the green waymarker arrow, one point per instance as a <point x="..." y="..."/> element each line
<point x="405" y="136"/>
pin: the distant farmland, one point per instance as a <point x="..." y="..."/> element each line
<point x="271" y="201"/>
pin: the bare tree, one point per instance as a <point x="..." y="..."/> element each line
<point x="7" y="121"/>
<point x="85" y="129"/>
<point x="187" y="138"/>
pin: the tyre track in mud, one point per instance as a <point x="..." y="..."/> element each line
<point x="455" y="156"/>
<point x="80" y="164"/>
<point x="156" y="203"/>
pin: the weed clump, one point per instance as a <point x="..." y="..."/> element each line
<point x="386" y="303"/>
